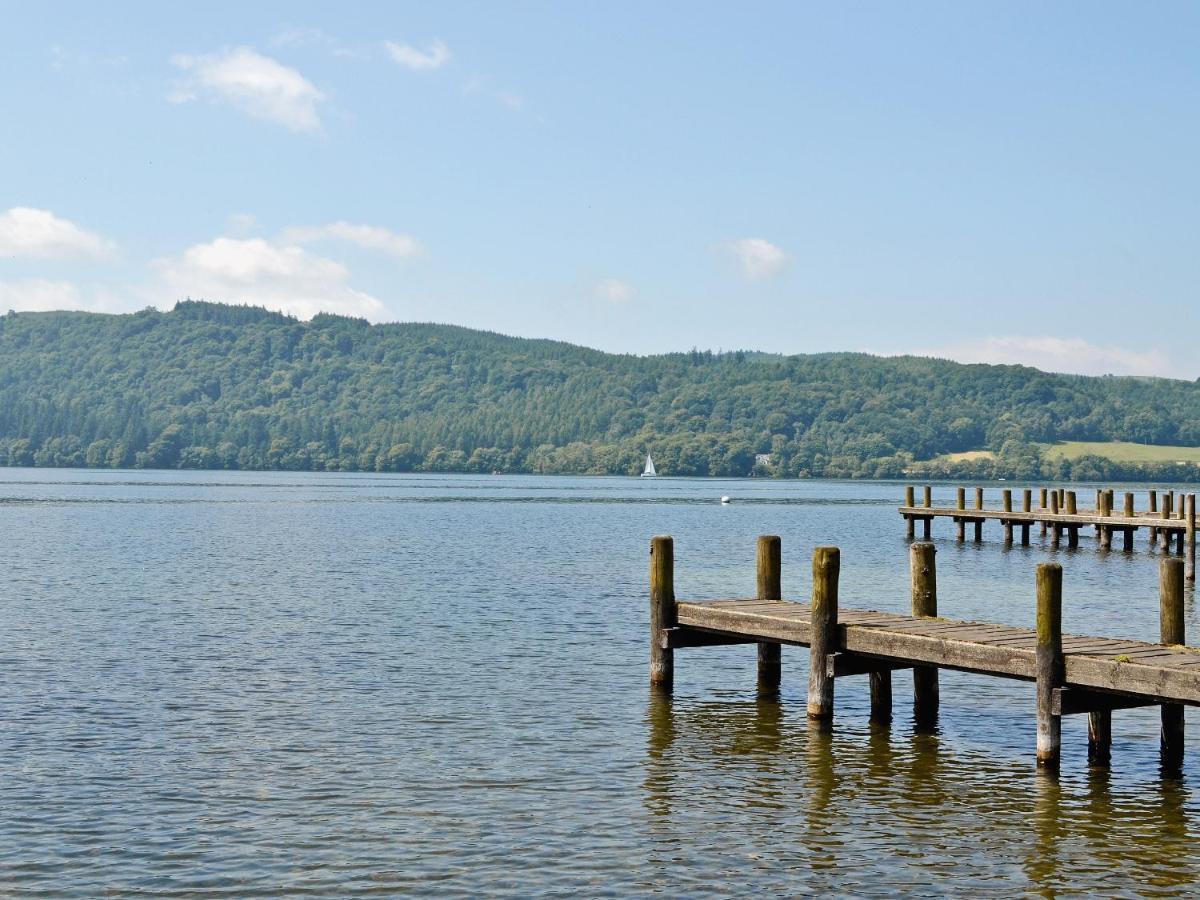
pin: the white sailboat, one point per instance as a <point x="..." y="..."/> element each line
<point x="649" y="472"/>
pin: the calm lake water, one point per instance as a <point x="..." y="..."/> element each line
<point x="232" y="684"/>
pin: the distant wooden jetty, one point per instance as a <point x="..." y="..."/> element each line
<point x="1058" y="512"/>
<point x="1074" y="674"/>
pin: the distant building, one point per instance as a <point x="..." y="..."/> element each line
<point x="762" y="459"/>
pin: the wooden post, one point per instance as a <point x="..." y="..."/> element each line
<point x="1026" y="506"/>
<point x="1105" y="530"/>
<point x="825" y="567"/>
<point x="1072" y="530"/>
<point x="928" y="523"/>
<point x="910" y="524"/>
<point x="1055" y="527"/>
<point x="663" y="612"/>
<point x="961" y="531"/>
<point x="1072" y="508"/>
<point x="1042" y="507"/>
<point x="1050" y="670"/>
<point x="1170" y="615"/>
<point x="1007" y="499"/>
<point x="978" y="522"/>
<point x="1100" y="737"/>
<point x="769" y="565"/>
<point x="924" y="604"/>
<point x="1190" y="560"/>
<point x="1153" y="509"/>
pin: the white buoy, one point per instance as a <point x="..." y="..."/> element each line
<point x="725" y="499"/>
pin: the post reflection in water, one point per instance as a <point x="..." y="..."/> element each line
<point x="753" y="785"/>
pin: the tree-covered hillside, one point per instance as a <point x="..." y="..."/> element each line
<point x="215" y="386"/>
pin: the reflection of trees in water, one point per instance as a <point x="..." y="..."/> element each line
<point x="852" y="804"/>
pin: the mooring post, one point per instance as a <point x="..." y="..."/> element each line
<point x="924" y="604"/>
<point x="1006" y="497"/>
<point x="1026" y="506"/>
<point x="928" y="523"/>
<point x="769" y="566"/>
<point x="1055" y="527"/>
<point x="825" y="567"/>
<point x="1127" y="535"/>
<point x="1153" y="506"/>
<point x="1190" y="559"/>
<point x="663" y="611"/>
<point x="1042" y="507"/>
<point x="978" y="522"/>
<point x="1170" y="615"/>
<point x="961" y="530"/>
<point x="1100" y="737"/>
<point x="910" y="523"/>
<point x="1072" y="530"/>
<point x="1050" y="670"/>
<point x="1105" y="530"/>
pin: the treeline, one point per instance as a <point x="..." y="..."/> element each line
<point x="211" y="386"/>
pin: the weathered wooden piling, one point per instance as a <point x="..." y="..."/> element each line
<point x="1008" y="526"/>
<point x="1100" y="737"/>
<point x="1190" y="559"/>
<point x="1042" y="506"/>
<point x="961" y="523"/>
<point x="1105" y="530"/>
<point x="928" y="523"/>
<point x="910" y="500"/>
<point x="769" y="565"/>
<point x="924" y="605"/>
<point x="1026" y="506"/>
<point x="1055" y="528"/>
<point x="978" y="522"/>
<point x="1153" y="504"/>
<point x="1050" y="668"/>
<point x="826" y="566"/>
<point x="1171" y="632"/>
<point x="1072" y="530"/>
<point x="663" y="612"/>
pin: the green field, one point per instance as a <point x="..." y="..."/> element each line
<point x="1122" y="451"/>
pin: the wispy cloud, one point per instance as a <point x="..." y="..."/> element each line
<point x="40" y="234"/>
<point x="278" y="276"/>
<point x="757" y="258"/>
<point x="44" y="295"/>
<point x="434" y="56"/>
<point x="371" y="237"/>
<point x="613" y="290"/>
<point x="257" y="85"/>
<point x="1058" y="354"/>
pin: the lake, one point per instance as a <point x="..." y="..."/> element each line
<point x="268" y="684"/>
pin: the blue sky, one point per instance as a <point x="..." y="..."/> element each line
<point x="989" y="182"/>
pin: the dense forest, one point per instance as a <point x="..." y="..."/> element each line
<point x="211" y="386"/>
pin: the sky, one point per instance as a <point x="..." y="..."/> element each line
<point x="988" y="182"/>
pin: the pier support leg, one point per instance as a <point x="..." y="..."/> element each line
<point x="1100" y="737"/>
<point x="1189" y="568"/>
<point x="924" y="603"/>
<point x="1127" y="540"/>
<point x="1050" y="669"/>
<point x="1025" y="535"/>
<point x="926" y="530"/>
<point x="1042" y="506"/>
<point x="1153" y="506"/>
<point x="960" y="522"/>
<point x="826" y="566"/>
<point x="769" y="567"/>
<point x="1072" y="536"/>
<point x="1006" y="498"/>
<point x="1170" y="614"/>
<point x="910" y="527"/>
<point x="979" y="531"/>
<point x="663" y="611"/>
<point x="881" y="697"/>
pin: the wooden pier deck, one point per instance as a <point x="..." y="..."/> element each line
<point x="1072" y="673"/>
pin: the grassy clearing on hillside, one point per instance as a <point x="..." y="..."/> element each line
<point x="1121" y="451"/>
<point x="966" y="456"/>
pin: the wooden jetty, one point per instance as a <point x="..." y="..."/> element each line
<point x="1074" y="674"/>
<point x="1058" y="512"/>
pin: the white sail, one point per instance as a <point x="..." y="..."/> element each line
<point x="649" y="472"/>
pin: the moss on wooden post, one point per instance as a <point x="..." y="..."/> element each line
<point x="663" y="611"/>
<point x="769" y="571"/>
<point x="826" y="565"/>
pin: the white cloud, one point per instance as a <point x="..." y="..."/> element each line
<point x="372" y="237"/>
<point x="613" y="290"/>
<point x="1057" y="354"/>
<point x="284" y="277"/>
<point x="40" y="234"/>
<point x="757" y="257"/>
<point x="255" y="84"/>
<point x="434" y="57"/>
<point x="39" y="295"/>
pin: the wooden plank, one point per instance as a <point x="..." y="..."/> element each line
<point x="840" y="664"/>
<point x="678" y="638"/>
<point x="1072" y="701"/>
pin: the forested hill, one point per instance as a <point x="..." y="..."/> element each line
<point x="214" y="386"/>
